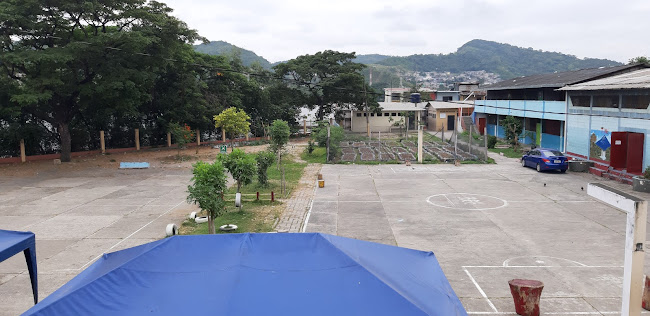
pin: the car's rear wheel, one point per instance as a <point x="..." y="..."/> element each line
<point x="523" y="162"/>
<point x="539" y="168"/>
<point x="562" y="170"/>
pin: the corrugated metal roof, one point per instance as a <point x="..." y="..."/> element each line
<point x="400" y="106"/>
<point x="639" y="79"/>
<point x="560" y="79"/>
<point x="451" y="105"/>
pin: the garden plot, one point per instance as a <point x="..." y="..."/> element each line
<point x="361" y="151"/>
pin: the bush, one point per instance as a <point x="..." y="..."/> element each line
<point x="240" y="165"/>
<point x="646" y="174"/>
<point x="206" y="190"/>
<point x="264" y="161"/>
<point x="310" y="147"/>
<point x="336" y="136"/>
<point x="492" y="141"/>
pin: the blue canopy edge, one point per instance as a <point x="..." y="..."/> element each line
<point x="13" y="242"/>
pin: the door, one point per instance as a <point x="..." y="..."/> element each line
<point x="635" y="152"/>
<point x="481" y="125"/>
<point x="451" y="122"/>
<point x="618" y="153"/>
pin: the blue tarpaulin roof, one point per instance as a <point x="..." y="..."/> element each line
<point x="258" y="274"/>
<point x="13" y="242"/>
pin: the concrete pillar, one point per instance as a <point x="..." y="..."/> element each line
<point x="137" y="139"/>
<point x="223" y="135"/>
<point x="169" y="139"/>
<point x="102" y="143"/>
<point x="420" y="144"/>
<point x="634" y="257"/>
<point x="304" y="126"/>
<point x="23" y="157"/>
<point x="198" y="137"/>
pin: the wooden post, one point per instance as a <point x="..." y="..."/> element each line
<point x="470" y="139"/>
<point x="304" y="126"/>
<point x="23" y="157"/>
<point x="485" y="139"/>
<point x="137" y="139"/>
<point x="102" y="143"/>
<point x="198" y="138"/>
<point x="272" y="196"/>
<point x="247" y="137"/>
<point x="169" y="139"/>
<point x="420" y="143"/>
<point x="223" y="135"/>
<point x="258" y="196"/>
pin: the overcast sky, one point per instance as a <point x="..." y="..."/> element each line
<point x="283" y="29"/>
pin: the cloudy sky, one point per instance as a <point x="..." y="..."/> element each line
<point x="283" y="29"/>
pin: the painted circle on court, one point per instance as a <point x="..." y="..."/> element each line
<point x="466" y="201"/>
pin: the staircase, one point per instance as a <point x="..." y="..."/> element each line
<point x="466" y="123"/>
<point x="608" y="172"/>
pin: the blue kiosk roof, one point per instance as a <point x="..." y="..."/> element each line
<point x="258" y="274"/>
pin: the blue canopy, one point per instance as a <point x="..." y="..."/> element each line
<point x="258" y="274"/>
<point x="13" y="242"/>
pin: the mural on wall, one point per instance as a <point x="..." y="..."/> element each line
<point x="600" y="144"/>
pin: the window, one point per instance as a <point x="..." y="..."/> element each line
<point x="447" y="99"/>
<point x="433" y="115"/>
<point x="386" y="114"/>
<point x="358" y="114"/>
<point x="365" y="114"/>
<point x="372" y="114"/>
<point x="636" y="102"/>
<point x="581" y="101"/>
<point x="606" y="101"/>
<point x="393" y="114"/>
<point x="551" y="153"/>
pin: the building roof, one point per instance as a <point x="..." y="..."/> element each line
<point x="400" y="106"/>
<point x="639" y="79"/>
<point x="560" y="79"/>
<point x="451" y="104"/>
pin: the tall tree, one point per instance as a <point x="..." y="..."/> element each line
<point x="73" y="57"/>
<point x="325" y="80"/>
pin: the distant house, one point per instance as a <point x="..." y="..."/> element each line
<point x="391" y="113"/>
<point x="469" y="91"/>
<point x="403" y="94"/>
<point x="444" y="115"/>
<point x="536" y="101"/>
<point x="447" y="96"/>
<point x="608" y="121"/>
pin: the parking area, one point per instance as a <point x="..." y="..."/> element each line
<point x="77" y="215"/>
<point x="487" y="224"/>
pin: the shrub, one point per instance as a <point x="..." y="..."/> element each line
<point x="336" y="136"/>
<point x="646" y="174"/>
<point x="206" y="190"/>
<point x="264" y="161"/>
<point x="492" y="141"/>
<point x="240" y="165"/>
<point x="310" y="147"/>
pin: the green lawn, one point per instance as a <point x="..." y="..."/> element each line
<point x="508" y="152"/>
<point x="317" y="156"/>
<point x="255" y="216"/>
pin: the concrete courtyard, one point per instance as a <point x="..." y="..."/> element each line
<point x="487" y="224"/>
<point x="79" y="215"/>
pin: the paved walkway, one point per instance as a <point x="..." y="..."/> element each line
<point x="298" y="204"/>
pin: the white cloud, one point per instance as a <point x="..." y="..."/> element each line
<point x="281" y="30"/>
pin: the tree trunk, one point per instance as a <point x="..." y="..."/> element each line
<point x="211" y="229"/>
<point x="66" y="141"/>
<point x="238" y="186"/>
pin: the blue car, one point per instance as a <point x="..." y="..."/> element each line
<point x="545" y="159"/>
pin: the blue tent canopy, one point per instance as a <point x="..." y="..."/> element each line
<point x="13" y="242"/>
<point x="258" y="274"/>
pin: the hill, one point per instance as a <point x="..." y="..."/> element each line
<point x="224" y="48"/>
<point x="505" y="60"/>
<point x="370" y="58"/>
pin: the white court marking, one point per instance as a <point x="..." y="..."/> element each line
<point x="506" y="265"/>
<point x="468" y="201"/>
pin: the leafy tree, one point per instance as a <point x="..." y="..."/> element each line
<point x="234" y="121"/>
<point x="512" y="127"/>
<point x="336" y="136"/>
<point x="182" y="135"/>
<point x="264" y="161"/>
<point x="207" y="188"/>
<point x="279" y="135"/>
<point x="640" y="59"/>
<point x="325" y="80"/>
<point x="242" y="166"/>
<point x="69" y="57"/>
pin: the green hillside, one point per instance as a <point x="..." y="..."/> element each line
<point x="370" y="58"/>
<point x="224" y="48"/>
<point x="506" y="60"/>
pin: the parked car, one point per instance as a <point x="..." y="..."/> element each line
<point x="545" y="159"/>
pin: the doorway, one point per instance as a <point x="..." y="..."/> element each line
<point x="451" y="122"/>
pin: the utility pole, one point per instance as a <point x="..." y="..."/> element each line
<point x="365" y="102"/>
<point x="328" y="143"/>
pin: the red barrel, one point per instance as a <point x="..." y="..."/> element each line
<point x="526" y="294"/>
